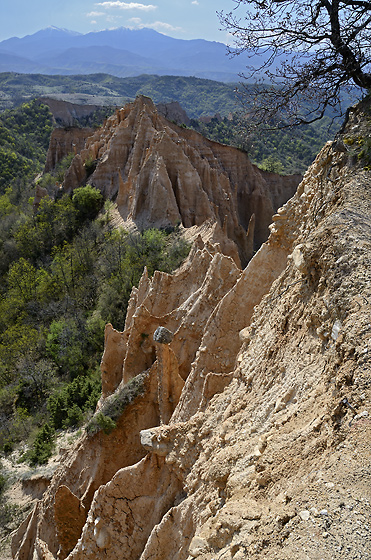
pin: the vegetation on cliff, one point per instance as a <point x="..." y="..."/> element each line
<point x="281" y="151"/>
<point x="68" y="277"/>
<point x="24" y="140"/>
<point x="64" y="274"/>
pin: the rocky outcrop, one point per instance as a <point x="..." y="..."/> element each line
<point x="207" y="119"/>
<point x="250" y="436"/>
<point x="93" y="463"/>
<point x="161" y="175"/>
<point x="65" y="141"/>
<point x="70" y="518"/>
<point x="173" y="112"/>
<point x="65" y="113"/>
<point x="40" y="193"/>
<point x="70" y="139"/>
<point x="182" y="304"/>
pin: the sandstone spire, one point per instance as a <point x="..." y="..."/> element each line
<point x="161" y="174"/>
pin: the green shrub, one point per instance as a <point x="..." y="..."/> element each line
<point x="36" y="381"/>
<point x="43" y="446"/>
<point x="88" y="201"/>
<point x="8" y="446"/>
<point x="2" y="483"/>
<point x="7" y="511"/>
<point x="365" y="154"/>
<point x="115" y="405"/>
<point x="74" y="417"/>
<point x="101" y="422"/>
<point x="62" y="167"/>
<point x="272" y="164"/>
<point x="67" y="406"/>
<point x="90" y="166"/>
<point x="65" y="345"/>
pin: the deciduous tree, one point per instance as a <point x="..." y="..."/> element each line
<point x="308" y="51"/>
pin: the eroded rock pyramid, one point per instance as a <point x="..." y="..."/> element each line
<point x="161" y="174"/>
<point x="248" y="434"/>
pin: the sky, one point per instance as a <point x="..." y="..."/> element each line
<point x="183" y="19"/>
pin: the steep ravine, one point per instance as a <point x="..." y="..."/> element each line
<point x="249" y="435"/>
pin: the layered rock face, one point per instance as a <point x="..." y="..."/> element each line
<point x="65" y="114"/>
<point x="64" y="141"/>
<point x="182" y="302"/>
<point x="250" y="435"/>
<point x="173" y="112"/>
<point x="161" y="175"/>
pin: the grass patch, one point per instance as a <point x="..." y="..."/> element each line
<point x="115" y="405"/>
<point x="7" y="511"/>
<point x="364" y="155"/>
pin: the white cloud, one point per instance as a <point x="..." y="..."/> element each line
<point x="114" y="19"/>
<point x="93" y="22"/>
<point x="195" y="3"/>
<point x="137" y="23"/>
<point x="161" y="25"/>
<point x="95" y="14"/>
<point x="127" y="5"/>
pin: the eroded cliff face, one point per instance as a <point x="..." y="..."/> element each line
<point x="65" y="141"/>
<point x="250" y="435"/>
<point x="65" y="113"/>
<point x="161" y="174"/>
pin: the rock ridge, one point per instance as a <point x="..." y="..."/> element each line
<point x="162" y="175"/>
<point x="241" y="443"/>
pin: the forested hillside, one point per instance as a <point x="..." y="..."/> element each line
<point x="24" y="139"/>
<point x="281" y="151"/>
<point x="197" y="96"/>
<point x="65" y="272"/>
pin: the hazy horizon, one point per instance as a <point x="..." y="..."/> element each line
<point x="181" y="19"/>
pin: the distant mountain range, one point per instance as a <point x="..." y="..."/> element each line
<point x="120" y="52"/>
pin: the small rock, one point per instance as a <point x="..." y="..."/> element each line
<point x="244" y="335"/>
<point x="325" y="535"/>
<point x="336" y="329"/>
<point x="153" y="442"/>
<point x="163" y="335"/>
<point x="304" y="514"/>
<point x="338" y="146"/>
<point x="197" y="547"/>
<point x="323" y="512"/>
<point x="363" y="414"/>
<point x="299" y="259"/>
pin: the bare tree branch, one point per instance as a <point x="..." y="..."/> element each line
<point x="302" y="55"/>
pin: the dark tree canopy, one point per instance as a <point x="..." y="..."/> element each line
<point x="307" y="51"/>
